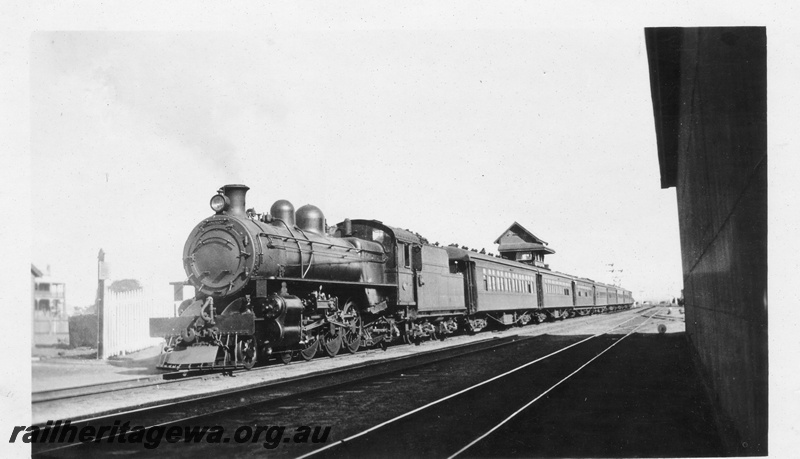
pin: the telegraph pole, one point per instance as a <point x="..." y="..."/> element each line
<point x="616" y="274"/>
<point x="100" y="301"/>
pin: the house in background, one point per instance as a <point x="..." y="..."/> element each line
<point x="50" y="322"/>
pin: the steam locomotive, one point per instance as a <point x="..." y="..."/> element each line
<point x="285" y="284"/>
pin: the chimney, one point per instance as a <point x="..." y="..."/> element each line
<point x="236" y="194"/>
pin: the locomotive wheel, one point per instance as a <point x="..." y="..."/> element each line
<point x="351" y="335"/>
<point x="332" y="344"/>
<point x="352" y="343"/>
<point x="310" y="350"/>
<point x="246" y="353"/>
<point x="285" y="358"/>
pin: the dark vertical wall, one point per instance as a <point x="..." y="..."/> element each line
<point x="716" y="121"/>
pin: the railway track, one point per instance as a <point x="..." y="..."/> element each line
<point x="187" y="408"/>
<point x="539" y="396"/>
<point x="421" y="414"/>
<point x="101" y="388"/>
<point x="283" y="392"/>
<point x="160" y="380"/>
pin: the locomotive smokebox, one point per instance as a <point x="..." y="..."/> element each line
<point x="283" y="210"/>
<point x="236" y="195"/>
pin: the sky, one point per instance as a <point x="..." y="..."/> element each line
<point x="452" y="126"/>
<point x="453" y="119"/>
<point x="454" y="134"/>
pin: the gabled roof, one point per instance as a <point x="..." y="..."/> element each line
<point x="525" y="246"/>
<point x="518" y="229"/>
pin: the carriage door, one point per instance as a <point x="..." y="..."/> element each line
<point x="419" y="280"/>
<point x="470" y="287"/>
<point x="539" y="291"/>
<point x="406" y="279"/>
<point x="574" y="293"/>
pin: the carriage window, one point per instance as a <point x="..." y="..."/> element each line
<point x="406" y="255"/>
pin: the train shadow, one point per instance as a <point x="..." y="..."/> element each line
<point x="643" y="398"/>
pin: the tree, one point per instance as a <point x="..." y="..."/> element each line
<point x="125" y="285"/>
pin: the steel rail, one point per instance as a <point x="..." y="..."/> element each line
<point x="515" y="413"/>
<point x="348" y="374"/>
<point x="53" y="395"/>
<point x="436" y="402"/>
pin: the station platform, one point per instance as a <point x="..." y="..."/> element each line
<point x="54" y="369"/>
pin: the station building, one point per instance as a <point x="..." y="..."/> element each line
<point x="709" y="92"/>
<point x="518" y="244"/>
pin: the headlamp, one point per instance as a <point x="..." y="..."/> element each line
<point x="219" y="202"/>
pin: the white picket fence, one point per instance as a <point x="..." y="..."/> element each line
<point x="126" y="319"/>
